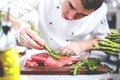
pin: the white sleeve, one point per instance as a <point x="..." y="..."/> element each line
<point x="3" y="3"/>
<point x="19" y="8"/>
<point x="102" y="29"/>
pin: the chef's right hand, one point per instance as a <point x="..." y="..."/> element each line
<point x="27" y="37"/>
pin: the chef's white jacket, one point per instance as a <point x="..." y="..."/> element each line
<point x="58" y="32"/>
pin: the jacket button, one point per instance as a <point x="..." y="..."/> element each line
<point x="67" y="40"/>
<point x="51" y="39"/>
<point x="72" y="33"/>
<point x="50" y="23"/>
<point x="57" y="7"/>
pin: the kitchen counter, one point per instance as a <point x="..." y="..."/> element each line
<point x="70" y="77"/>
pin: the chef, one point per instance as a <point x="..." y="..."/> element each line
<point x="69" y="26"/>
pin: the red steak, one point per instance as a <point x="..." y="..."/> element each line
<point x="39" y="58"/>
<point x="65" y="60"/>
<point x="30" y="63"/>
<point x="48" y="61"/>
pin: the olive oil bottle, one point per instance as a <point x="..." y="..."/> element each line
<point x="9" y="57"/>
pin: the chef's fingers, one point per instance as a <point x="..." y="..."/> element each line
<point x="36" y="37"/>
<point x="27" y="41"/>
<point x="67" y="50"/>
<point x="63" y="50"/>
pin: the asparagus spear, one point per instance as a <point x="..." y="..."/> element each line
<point x="108" y="50"/>
<point x="113" y="35"/>
<point x="108" y="44"/>
<point x="113" y="31"/>
<point x="50" y="51"/>
<point x="116" y="41"/>
<point x="60" y="54"/>
<point x="107" y="41"/>
<point x="97" y="47"/>
<point x="34" y="29"/>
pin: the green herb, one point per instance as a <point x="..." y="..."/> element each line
<point x="91" y="65"/>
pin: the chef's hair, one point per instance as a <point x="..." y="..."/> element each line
<point x="92" y="4"/>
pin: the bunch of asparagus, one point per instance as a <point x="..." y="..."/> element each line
<point x="113" y="36"/>
<point x="110" y="44"/>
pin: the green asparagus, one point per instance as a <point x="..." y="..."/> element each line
<point x="51" y="52"/>
<point x="110" y="44"/>
<point x="113" y="35"/>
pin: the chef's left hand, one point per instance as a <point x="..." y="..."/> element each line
<point x="75" y="48"/>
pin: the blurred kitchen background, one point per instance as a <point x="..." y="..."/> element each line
<point x="113" y="15"/>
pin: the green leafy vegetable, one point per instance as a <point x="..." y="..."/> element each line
<point x="91" y="65"/>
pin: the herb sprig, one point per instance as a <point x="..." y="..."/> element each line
<point x="91" y="65"/>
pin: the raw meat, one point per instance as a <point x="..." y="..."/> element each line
<point x="40" y="57"/>
<point x="30" y="63"/>
<point x="65" y="60"/>
<point x="48" y="61"/>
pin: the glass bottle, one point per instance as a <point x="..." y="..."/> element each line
<point x="9" y="57"/>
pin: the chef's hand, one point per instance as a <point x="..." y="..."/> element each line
<point x="27" y="37"/>
<point x="75" y="48"/>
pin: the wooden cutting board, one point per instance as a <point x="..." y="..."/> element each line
<point x="66" y="70"/>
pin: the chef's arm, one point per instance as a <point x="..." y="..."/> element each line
<point x="88" y="45"/>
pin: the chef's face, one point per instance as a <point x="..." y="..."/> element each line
<point x="73" y="9"/>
